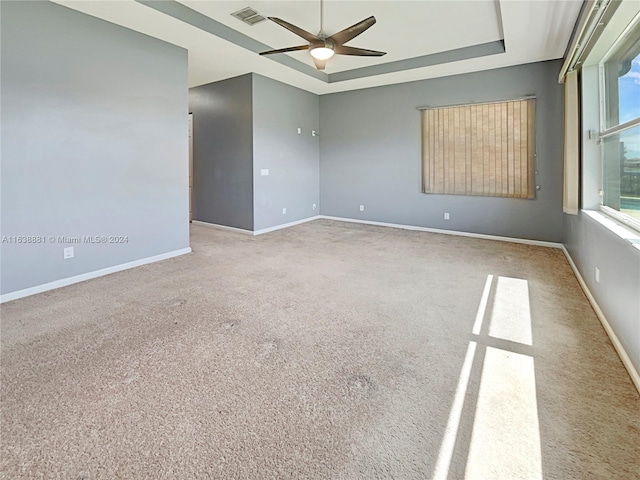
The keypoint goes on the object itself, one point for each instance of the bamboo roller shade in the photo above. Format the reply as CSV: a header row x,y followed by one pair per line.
x,y
484,149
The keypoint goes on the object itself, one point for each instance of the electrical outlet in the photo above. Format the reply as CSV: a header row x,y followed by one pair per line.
x,y
362,208
284,211
299,131
446,215
264,172
314,206
597,275
68,253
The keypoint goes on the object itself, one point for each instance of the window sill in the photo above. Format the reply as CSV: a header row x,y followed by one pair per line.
x,y
617,228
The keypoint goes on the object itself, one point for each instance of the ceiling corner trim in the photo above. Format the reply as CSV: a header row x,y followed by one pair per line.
x,y
196,19
465,53
207,24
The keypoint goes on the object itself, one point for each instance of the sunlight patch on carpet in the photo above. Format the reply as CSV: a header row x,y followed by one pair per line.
x,y
505,442
482,308
443,463
511,314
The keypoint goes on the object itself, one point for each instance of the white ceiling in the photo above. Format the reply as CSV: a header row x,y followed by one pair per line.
x,y
533,30
400,29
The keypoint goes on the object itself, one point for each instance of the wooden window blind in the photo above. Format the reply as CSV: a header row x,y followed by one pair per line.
x,y
480,149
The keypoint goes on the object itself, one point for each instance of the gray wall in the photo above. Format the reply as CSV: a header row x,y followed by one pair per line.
x,y
370,154
223,152
291,158
592,245
94,142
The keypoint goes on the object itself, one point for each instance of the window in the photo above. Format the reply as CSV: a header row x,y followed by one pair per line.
x,y
483,149
620,128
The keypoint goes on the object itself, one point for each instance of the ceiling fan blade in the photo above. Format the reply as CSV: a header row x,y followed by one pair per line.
x,y
353,31
359,52
283,50
319,63
309,37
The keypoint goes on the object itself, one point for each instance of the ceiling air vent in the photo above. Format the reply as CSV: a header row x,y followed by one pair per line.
x,y
249,16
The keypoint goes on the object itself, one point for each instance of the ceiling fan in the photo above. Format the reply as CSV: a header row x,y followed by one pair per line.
x,y
323,47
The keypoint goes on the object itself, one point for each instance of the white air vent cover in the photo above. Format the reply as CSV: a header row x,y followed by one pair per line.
x,y
249,16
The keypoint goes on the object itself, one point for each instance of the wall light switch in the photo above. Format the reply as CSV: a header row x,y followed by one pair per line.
x,y
299,130
284,211
264,172
446,215
362,208
68,252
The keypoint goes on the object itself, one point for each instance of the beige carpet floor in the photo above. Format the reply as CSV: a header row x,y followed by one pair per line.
x,y
326,350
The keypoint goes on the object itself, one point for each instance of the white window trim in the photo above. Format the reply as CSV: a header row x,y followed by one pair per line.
x,y
625,219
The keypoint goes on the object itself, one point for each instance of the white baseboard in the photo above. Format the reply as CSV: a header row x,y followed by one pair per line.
x,y
255,232
538,243
633,373
525,241
285,225
7,297
222,227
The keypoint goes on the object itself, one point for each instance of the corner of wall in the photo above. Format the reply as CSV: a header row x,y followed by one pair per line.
x,y
284,118
253,150
614,296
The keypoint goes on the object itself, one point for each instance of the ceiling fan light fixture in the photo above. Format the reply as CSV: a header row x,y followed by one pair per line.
x,y
322,47
322,53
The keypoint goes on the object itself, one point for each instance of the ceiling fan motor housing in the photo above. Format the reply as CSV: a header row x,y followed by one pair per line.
x,y
324,42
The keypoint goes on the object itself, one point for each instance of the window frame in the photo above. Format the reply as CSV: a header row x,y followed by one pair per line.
x,y
605,132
